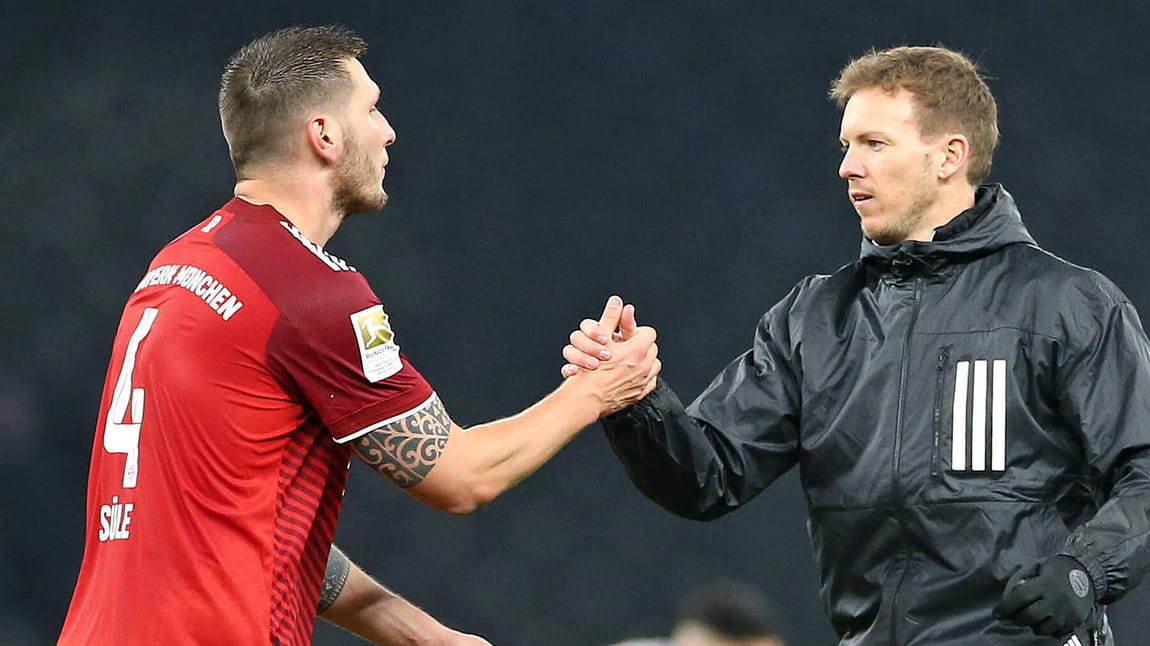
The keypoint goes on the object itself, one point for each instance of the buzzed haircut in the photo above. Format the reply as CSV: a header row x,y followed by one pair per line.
x,y
732,609
270,83
949,94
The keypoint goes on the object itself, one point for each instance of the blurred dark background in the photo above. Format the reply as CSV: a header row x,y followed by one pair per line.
x,y
549,154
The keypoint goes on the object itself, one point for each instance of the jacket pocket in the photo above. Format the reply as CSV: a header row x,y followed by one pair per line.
x,y
970,411
939,402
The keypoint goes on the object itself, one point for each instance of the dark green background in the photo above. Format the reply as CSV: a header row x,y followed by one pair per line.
x,y
549,153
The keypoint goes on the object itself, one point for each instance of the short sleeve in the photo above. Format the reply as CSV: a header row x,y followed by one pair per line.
x,y
339,351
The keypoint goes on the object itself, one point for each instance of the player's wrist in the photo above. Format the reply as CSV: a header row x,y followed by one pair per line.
x,y
576,400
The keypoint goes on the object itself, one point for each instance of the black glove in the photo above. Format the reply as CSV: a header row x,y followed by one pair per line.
x,y
1052,597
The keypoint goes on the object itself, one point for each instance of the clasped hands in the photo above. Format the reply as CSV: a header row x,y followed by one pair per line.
x,y
617,353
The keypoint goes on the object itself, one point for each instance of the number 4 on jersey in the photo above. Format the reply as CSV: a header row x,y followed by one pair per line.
x,y
121,435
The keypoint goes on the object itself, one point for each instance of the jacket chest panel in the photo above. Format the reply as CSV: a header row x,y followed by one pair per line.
x,y
906,395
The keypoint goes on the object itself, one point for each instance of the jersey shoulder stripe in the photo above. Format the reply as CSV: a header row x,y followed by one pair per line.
x,y
331,260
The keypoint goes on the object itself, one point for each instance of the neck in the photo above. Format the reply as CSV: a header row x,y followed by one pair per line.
x,y
304,200
948,206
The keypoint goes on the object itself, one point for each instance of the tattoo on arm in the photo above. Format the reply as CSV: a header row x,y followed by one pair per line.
x,y
406,450
334,577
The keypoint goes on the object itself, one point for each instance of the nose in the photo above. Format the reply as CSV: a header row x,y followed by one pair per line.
x,y
850,168
389,132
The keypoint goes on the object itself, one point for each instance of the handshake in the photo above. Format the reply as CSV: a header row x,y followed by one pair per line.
x,y
614,359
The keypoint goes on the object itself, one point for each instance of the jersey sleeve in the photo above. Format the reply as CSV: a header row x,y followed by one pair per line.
x,y
340,352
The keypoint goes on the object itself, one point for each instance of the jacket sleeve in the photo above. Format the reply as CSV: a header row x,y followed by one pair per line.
x,y
1107,396
735,439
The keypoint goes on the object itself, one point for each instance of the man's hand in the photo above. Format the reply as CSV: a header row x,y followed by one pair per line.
x,y
591,343
460,639
1052,597
623,368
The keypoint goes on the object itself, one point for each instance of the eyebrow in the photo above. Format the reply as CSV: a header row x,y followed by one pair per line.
x,y
872,134
868,134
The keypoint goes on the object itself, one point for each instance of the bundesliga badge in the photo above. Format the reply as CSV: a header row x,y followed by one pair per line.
x,y
377,350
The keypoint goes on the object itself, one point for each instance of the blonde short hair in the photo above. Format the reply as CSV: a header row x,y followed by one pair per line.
x,y
950,95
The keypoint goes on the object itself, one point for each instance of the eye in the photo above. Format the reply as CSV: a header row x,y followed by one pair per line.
x,y
875,144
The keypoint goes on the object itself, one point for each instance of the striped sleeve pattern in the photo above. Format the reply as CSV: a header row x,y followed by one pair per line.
x,y
311,483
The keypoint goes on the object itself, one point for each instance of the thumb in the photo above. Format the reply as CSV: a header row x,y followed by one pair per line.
x,y
609,321
1017,595
627,325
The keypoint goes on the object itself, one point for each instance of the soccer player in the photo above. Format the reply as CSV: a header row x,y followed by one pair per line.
x,y
248,367
969,413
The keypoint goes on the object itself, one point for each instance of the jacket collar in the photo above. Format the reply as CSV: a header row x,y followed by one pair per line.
x,y
992,223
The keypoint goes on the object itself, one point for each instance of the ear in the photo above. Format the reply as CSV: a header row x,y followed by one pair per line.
x,y
324,137
954,152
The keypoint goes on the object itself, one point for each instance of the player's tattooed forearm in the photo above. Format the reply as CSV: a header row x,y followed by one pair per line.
x,y
334,577
408,448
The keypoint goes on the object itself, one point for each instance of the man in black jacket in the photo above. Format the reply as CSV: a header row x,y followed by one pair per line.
x,y
969,413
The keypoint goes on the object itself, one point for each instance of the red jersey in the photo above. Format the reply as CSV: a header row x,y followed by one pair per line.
x,y
244,361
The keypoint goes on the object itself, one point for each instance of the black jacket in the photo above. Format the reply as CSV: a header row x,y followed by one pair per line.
x,y
958,410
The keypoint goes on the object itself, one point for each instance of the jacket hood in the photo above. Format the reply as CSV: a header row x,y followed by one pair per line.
x,y
992,223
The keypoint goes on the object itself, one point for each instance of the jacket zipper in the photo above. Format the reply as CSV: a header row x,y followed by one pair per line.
x,y
898,422
935,456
